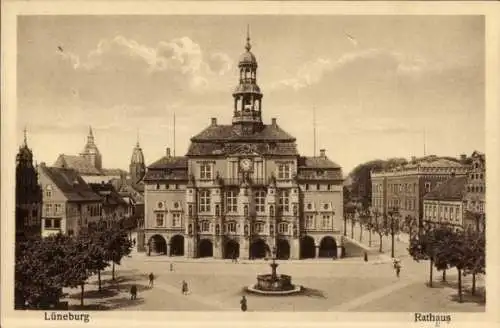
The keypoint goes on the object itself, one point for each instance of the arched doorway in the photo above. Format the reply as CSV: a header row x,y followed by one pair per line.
x,y
283,249
157,244
328,247
259,249
307,248
205,248
177,245
232,249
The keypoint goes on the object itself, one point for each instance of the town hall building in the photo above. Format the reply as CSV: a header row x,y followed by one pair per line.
x,y
243,190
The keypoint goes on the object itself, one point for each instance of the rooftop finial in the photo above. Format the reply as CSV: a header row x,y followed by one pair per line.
x,y
248,46
137,137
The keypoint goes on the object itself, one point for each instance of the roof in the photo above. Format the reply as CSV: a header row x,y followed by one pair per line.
x,y
157,174
70,183
117,172
227,133
80,164
451,189
171,162
318,162
108,193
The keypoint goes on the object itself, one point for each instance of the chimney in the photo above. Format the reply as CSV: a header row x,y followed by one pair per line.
x,y
168,151
273,121
463,157
322,153
413,159
214,121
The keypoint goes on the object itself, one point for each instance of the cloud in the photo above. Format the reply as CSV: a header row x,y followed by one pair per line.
x,y
365,61
182,59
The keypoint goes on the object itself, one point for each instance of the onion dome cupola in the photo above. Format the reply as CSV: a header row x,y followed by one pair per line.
x,y
247,116
137,164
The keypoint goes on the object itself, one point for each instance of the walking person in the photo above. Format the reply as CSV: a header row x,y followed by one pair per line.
x,y
171,267
184,288
133,292
243,303
397,267
151,280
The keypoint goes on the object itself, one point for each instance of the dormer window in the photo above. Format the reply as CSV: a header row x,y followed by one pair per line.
x,y
48,191
284,171
205,172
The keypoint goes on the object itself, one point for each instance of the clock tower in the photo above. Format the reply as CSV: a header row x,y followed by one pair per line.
x,y
247,115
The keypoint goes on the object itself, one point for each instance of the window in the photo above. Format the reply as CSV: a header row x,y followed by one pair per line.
x,y
245,210
48,209
205,201
217,210
295,210
232,201
48,191
309,221
159,205
57,208
159,219
325,223
205,226
259,227
176,220
326,206
271,210
205,171
176,205
283,228
427,187
48,223
284,171
307,186
260,200
318,187
190,210
309,206
57,224
284,201
231,227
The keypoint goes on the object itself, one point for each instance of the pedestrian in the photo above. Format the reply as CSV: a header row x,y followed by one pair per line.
x,y
184,287
133,242
243,303
133,292
171,267
366,257
151,280
397,267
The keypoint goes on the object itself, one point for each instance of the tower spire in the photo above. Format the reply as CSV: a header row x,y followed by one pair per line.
x,y
137,137
25,137
248,46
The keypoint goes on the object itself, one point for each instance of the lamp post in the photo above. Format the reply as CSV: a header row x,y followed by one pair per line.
x,y
392,213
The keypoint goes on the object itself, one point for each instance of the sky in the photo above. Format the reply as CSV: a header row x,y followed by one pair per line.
x,y
381,86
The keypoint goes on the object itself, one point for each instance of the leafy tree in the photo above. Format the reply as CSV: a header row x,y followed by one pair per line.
x,y
422,248
456,252
442,238
41,270
475,261
118,245
97,236
381,228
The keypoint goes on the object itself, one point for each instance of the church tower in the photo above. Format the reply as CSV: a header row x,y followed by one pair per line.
x,y
247,116
137,165
91,153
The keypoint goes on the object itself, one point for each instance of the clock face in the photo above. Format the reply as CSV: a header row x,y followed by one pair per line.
x,y
246,164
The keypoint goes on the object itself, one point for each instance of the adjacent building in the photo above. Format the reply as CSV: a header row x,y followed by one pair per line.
x,y
475,191
69,204
28,195
113,206
444,204
404,187
243,190
89,163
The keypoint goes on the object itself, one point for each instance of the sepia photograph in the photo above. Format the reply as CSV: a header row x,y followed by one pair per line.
x,y
249,163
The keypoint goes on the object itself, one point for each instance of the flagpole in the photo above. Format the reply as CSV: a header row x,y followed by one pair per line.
x,y
314,130
174,134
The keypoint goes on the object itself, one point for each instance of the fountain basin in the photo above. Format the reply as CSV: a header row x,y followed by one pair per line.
x,y
279,284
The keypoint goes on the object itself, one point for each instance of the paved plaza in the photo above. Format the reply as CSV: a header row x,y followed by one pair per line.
x,y
348,284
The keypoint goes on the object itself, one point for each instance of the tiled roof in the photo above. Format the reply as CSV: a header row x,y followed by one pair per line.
x,y
237,147
108,193
227,133
80,164
117,172
70,183
451,189
166,174
317,162
170,162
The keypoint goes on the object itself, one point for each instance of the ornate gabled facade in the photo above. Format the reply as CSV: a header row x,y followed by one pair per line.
x,y
243,189
475,192
28,195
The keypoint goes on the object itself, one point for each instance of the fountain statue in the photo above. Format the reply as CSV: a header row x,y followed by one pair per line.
x,y
274,283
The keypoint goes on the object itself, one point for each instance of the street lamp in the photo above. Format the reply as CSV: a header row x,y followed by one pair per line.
x,y
393,213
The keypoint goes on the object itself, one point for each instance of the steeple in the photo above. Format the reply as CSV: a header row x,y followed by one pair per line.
x,y
91,152
90,137
247,116
25,138
137,164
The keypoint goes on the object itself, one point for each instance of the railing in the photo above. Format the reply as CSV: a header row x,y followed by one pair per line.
x,y
239,181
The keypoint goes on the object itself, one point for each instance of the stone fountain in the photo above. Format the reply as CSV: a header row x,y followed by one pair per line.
x,y
274,283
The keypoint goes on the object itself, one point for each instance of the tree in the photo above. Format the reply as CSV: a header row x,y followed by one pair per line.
x,y
475,261
97,237
442,237
410,224
422,248
117,246
41,270
456,252
382,228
